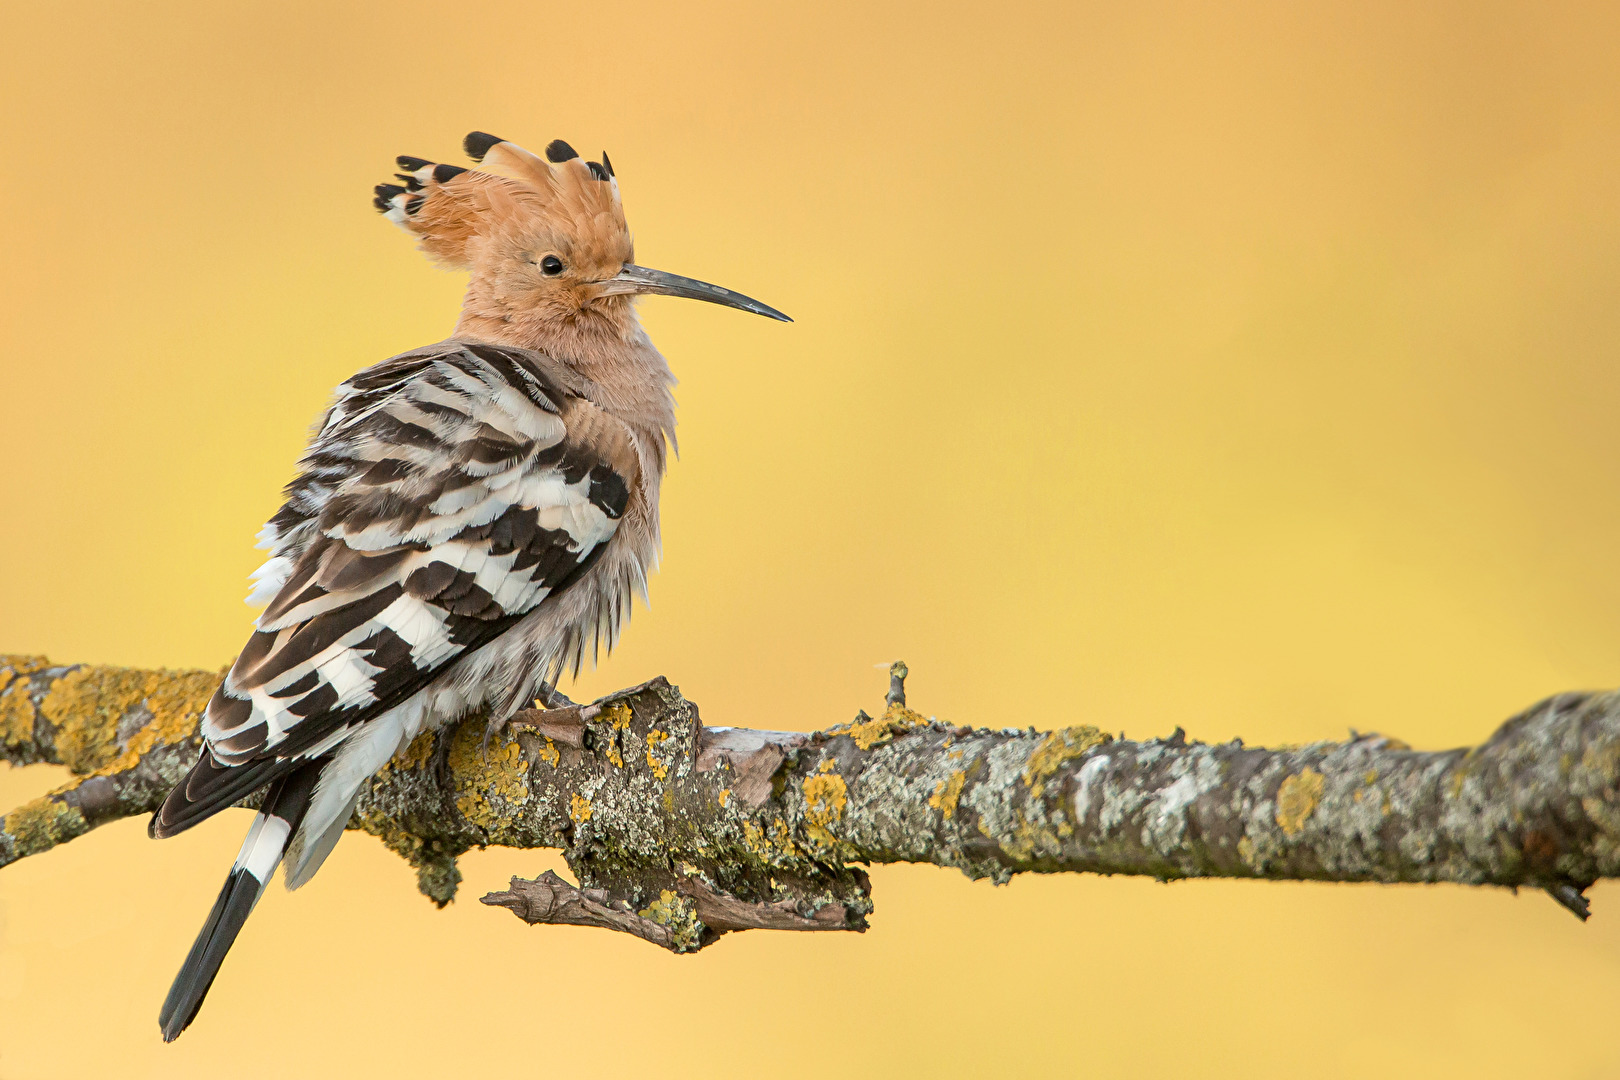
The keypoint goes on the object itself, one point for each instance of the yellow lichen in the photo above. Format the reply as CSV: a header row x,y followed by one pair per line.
x,y
85,706
660,909
618,717
579,808
18,664
1297,799
1028,838
16,715
483,779
782,839
416,754
724,796
679,915
775,847
1246,852
176,700
754,839
947,792
869,732
659,767
42,824
1371,777
824,797
1062,745
549,753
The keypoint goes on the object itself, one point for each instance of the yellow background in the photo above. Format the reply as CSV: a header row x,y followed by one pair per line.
x,y
1245,368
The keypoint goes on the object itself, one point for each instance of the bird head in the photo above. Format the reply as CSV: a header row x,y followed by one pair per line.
x,y
544,238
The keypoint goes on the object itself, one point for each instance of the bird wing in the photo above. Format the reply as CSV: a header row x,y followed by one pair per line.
x,y
446,494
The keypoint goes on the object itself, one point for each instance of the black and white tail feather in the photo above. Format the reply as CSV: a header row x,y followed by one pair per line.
x,y
282,812
434,548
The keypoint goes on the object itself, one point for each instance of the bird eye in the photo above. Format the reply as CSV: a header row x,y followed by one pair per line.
x,y
551,266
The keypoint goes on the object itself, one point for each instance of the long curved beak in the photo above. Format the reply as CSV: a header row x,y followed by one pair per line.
x,y
641,279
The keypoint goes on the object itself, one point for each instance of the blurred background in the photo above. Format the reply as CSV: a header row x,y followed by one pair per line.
x,y
1244,367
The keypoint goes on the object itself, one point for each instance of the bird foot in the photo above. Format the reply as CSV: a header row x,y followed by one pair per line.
x,y
496,726
442,773
552,698
555,715
564,724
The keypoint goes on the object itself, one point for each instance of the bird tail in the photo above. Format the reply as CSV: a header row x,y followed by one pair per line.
x,y
285,802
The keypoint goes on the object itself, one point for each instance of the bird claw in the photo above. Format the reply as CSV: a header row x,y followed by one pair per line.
x,y
565,724
552,698
443,775
554,714
496,725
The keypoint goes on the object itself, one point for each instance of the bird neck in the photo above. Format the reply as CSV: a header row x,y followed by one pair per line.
x,y
593,335
604,345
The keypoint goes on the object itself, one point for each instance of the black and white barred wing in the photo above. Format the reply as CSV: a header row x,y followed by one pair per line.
x,y
448,493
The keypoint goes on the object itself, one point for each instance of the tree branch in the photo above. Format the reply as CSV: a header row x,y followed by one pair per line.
x,y
679,833
127,735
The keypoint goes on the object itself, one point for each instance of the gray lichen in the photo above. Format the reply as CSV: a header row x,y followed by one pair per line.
x,y
679,833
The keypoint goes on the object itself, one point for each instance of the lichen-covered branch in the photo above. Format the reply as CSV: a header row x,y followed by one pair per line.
x,y
127,735
679,833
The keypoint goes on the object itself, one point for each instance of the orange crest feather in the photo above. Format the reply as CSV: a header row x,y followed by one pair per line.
x,y
512,195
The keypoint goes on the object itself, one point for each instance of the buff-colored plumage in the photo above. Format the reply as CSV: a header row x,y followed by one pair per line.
x,y
498,221
470,522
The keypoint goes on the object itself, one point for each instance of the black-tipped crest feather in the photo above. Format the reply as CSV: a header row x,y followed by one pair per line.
x,y
384,193
558,152
478,143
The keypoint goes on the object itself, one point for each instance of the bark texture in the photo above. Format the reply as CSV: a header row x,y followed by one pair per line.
x,y
679,833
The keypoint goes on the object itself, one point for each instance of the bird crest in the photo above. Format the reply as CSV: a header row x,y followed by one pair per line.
x,y
551,257
513,199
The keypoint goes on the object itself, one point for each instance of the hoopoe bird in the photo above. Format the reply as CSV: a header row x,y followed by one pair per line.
x,y
469,519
